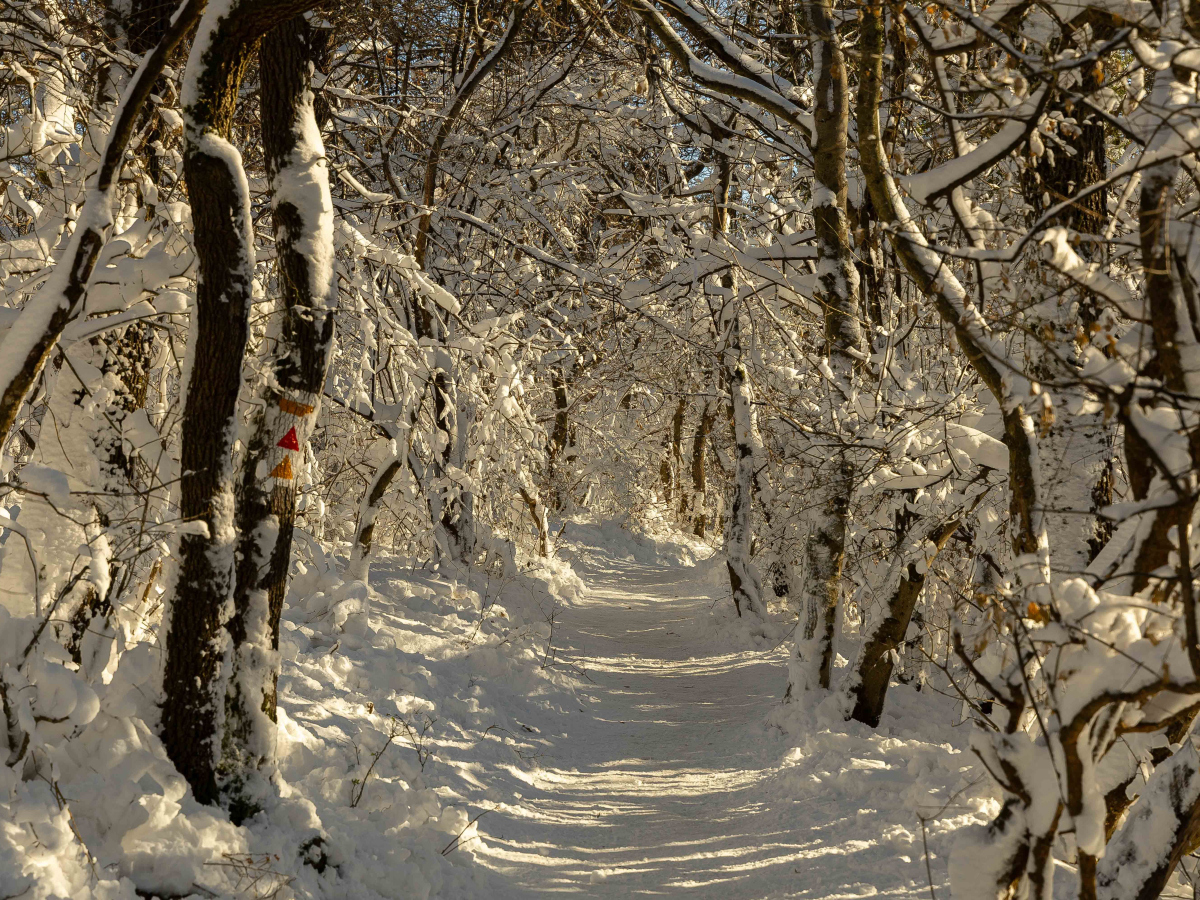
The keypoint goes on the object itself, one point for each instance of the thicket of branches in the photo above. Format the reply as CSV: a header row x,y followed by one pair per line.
x,y
897,305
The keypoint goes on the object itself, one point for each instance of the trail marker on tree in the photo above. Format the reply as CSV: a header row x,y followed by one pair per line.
x,y
295,408
289,441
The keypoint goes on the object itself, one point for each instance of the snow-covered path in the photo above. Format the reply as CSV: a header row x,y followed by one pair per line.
x,y
656,788
670,785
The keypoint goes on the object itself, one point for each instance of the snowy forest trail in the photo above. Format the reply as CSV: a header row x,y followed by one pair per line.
x,y
658,789
672,785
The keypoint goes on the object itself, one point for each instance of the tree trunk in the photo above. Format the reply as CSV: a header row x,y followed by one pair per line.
x,y
196,640
560,436
739,530
987,356
360,554
743,580
1077,449
537,511
837,292
695,506
672,464
880,645
288,400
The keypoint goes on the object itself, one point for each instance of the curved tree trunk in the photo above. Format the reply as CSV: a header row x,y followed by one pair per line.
x,y
368,512
869,684
196,665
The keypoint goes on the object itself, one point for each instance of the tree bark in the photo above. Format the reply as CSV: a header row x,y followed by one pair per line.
x,y
876,660
197,642
672,464
288,399
560,436
695,506
385,474
739,531
837,292
537,511
1078,448
744,582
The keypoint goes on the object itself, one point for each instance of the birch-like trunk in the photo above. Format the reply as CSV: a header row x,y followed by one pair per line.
x,y
368,512
837,292
739,530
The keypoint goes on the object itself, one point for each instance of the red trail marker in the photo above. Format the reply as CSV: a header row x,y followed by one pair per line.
x,y
289,441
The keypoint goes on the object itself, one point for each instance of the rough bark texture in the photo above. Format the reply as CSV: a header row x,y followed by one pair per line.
x,y
537,511
837,292
1066,174
876,659
825,550
289,399
197,642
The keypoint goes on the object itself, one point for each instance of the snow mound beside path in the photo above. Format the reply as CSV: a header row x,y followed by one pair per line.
x,y
388,694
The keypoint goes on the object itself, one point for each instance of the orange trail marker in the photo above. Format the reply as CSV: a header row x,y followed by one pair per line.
x,y
283,471
289,441
294,408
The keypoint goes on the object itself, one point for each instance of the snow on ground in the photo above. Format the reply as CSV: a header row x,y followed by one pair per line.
x,y
670,782
477,737
386,697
